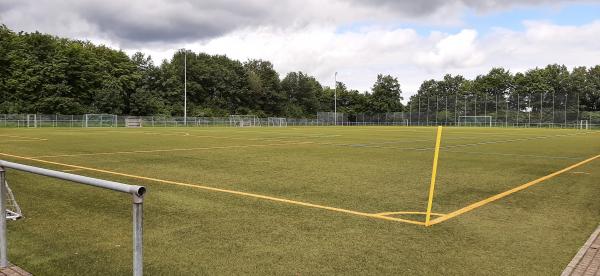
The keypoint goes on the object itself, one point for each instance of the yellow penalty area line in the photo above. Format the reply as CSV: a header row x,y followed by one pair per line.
x,y
436,154
265,197
506,193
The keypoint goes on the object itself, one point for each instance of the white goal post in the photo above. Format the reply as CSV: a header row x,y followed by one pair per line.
x,y
32,120
244,121
475,121
13,211
100,120
276,122
133,122
583,124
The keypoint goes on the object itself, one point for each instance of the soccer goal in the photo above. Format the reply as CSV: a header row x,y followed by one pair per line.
x,y
100,120
13,211
133,122
475,121
243,121
32,120
583,124
276,122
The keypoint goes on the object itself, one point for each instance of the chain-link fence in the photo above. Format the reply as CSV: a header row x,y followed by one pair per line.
x,y
531,110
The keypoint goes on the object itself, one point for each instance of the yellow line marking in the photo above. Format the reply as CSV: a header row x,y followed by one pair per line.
x,y
438,140
511,191
409,213
23,137
169,150
36,140
271,198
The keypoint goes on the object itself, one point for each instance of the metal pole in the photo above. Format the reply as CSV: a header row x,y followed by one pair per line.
x,y
427,112
506,111
455,108
3,240
475,105
485,105
553,120
566,98
419,110
185,87
335,98
577,105
437,109
496,108
410,113
518,109
138,230
529,111
541,108
446,121
465,111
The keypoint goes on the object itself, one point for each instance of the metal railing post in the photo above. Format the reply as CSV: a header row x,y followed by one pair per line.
x,y
3,239
136,191
138,231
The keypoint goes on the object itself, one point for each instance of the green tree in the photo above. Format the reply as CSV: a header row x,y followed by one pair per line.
x,y
302,93
386,95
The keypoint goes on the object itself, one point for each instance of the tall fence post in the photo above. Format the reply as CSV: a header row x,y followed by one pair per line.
x,y
3,239
138,231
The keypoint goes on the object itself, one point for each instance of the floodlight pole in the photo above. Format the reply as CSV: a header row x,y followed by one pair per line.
x,y
335,98
184,87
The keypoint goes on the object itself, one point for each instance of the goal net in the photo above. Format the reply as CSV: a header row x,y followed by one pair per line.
x,y
475,121
243,121
13,211
276,122
100,120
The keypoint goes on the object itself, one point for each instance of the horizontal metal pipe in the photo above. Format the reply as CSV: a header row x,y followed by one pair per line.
x,y
115,186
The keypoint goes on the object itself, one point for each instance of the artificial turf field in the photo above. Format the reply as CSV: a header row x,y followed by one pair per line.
x,y
351,173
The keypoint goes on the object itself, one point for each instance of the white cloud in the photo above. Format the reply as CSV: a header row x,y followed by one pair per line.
x,y
360,55
305,35
453,51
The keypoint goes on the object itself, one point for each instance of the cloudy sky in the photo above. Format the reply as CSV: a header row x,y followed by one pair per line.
x,y
412,40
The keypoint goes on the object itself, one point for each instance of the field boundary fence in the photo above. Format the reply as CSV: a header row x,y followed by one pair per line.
x,y
589,120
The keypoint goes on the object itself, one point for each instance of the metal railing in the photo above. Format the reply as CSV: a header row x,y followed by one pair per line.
x,y
137,193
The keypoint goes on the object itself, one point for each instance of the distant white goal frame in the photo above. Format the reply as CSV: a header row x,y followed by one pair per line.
x,y
244,121
583,124
100,120
133,122
487,120
276,122
32,120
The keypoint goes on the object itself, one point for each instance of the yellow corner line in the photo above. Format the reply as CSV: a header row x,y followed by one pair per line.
x,y
436,154
294,202
506,193
409,213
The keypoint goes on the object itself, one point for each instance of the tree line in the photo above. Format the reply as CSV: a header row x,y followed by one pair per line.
x,y
45,74
534,89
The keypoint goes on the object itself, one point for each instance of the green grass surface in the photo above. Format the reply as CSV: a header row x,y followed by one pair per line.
x,y
71,229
